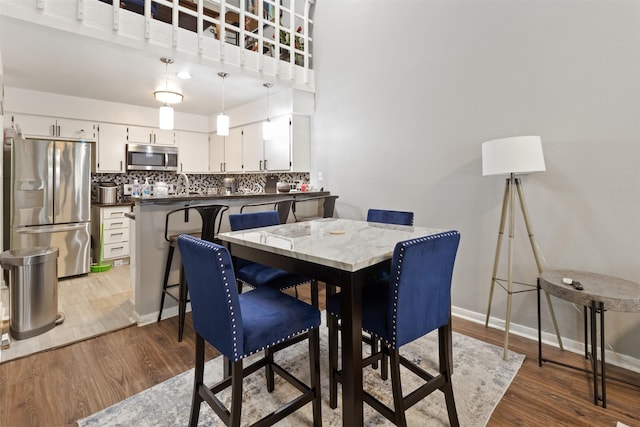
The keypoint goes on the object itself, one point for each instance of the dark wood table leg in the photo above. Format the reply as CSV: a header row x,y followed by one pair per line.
x,y
351,330
594,353
602,361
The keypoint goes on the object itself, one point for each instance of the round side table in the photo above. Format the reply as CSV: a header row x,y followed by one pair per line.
x,y
599,293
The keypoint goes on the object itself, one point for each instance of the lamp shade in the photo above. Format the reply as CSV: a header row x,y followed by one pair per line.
x,y
166,117
518,154
222,124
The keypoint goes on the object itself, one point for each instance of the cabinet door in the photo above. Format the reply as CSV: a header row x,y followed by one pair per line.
x,y
140,134
252,148
163,137
216,152
37,126
193,154
233,151
111,151
277,151
81,129
300,152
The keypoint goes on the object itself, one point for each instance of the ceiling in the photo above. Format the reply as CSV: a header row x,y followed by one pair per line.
x,y
44,59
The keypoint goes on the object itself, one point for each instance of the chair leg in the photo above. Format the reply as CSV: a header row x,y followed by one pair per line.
x,y
445,346
332,324
374,350
268,355
236,393
398,401
314,369
167,270
182,303
384,364
314,293
196,399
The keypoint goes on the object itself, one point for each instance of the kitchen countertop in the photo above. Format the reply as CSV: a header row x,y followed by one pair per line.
x,y
219,197
107,205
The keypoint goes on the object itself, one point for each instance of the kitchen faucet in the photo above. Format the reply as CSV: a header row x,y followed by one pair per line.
x,y
184,189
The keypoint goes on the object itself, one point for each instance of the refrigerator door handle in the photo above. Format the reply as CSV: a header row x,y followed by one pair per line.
x,y
49,229
56,178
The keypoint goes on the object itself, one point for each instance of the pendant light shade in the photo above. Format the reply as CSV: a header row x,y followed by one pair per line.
x,y
222,123
166,117
267,127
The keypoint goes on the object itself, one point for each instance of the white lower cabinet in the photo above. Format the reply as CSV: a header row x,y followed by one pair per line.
x,y
116,232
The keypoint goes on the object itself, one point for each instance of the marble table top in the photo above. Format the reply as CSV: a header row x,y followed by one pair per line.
x,y
616,294
334,242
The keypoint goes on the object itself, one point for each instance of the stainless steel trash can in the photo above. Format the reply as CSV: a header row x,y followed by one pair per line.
x,y
33,290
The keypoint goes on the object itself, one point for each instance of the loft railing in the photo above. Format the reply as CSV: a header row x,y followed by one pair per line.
x,y
268,36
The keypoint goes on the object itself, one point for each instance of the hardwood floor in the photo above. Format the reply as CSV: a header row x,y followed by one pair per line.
x,y
60,386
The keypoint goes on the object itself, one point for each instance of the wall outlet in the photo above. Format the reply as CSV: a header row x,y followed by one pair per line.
x,y
320,176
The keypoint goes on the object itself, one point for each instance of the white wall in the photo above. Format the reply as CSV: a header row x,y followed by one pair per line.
x,y
406,92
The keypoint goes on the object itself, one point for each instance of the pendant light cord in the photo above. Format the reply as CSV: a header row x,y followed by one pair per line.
x,y
223,75
268,86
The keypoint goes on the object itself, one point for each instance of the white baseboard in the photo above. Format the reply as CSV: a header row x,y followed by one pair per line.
x,y
613,358
166,313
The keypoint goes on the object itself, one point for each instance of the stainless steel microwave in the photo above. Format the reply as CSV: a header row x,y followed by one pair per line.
x,y
151,157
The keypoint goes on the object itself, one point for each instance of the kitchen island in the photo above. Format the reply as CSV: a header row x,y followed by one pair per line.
x,y
149,248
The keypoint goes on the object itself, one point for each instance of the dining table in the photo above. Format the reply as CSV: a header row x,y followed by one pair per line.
x,y
341,252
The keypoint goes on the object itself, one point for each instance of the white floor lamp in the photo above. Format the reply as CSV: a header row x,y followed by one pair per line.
x,y
511,156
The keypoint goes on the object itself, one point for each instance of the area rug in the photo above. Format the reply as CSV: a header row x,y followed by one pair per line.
x,y
480,379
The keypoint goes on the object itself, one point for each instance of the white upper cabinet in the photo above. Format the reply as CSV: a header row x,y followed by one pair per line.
x,y
277,151
193,152
300,152
43,126
146,135
81,129
216,152
233,151
252,148
111,148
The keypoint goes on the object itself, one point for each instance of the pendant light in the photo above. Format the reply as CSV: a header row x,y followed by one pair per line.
x,y
166,117
167,97
222,123
267,127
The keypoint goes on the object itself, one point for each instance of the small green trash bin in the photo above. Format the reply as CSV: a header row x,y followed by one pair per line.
x,y
33,290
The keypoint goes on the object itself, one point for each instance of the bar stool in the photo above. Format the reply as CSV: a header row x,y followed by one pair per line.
x,y
325,210
384,217
413,301
239,325
208,231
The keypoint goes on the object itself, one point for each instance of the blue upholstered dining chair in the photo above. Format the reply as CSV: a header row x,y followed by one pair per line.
x,y
238,325
413,301
386,217
390,217
258,275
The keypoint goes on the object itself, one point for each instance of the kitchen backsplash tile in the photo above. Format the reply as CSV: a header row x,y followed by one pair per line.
x,y
247,183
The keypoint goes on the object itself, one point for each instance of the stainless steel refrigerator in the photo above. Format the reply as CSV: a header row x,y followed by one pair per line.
x,y
51,199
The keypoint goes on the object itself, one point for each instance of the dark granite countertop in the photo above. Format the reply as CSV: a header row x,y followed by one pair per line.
x,y
110,205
